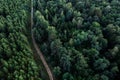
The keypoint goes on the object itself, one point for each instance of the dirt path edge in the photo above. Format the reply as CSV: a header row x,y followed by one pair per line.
x,y
37,48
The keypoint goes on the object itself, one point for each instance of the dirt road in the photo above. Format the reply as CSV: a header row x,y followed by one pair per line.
x,y
37,48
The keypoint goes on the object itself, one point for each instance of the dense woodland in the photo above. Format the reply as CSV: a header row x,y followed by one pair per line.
x,y
16,57
79,38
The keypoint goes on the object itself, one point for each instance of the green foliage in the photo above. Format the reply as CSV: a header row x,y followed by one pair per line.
x,y
65,62
101,64
52,33
41,22
67,76
96,24
57,71
103,77
16,57
81,37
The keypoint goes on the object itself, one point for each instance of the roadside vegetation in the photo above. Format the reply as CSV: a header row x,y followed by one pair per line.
x,y
16,57
80,38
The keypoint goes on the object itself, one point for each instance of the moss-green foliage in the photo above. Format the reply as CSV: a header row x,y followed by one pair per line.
x,y
16,57
80,37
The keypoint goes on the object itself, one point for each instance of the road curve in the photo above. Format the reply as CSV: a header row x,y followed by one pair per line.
x,y
37,48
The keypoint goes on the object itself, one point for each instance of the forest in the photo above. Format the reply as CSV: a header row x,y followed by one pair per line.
x,y
16,60
79,39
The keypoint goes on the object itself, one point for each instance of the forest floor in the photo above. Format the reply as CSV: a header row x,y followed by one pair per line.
x,y
37,48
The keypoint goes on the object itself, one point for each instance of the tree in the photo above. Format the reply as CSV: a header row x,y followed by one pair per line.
x,y
95,24
2,24
101,64
55,46
67,76
111,32
80,64
103,77
52,33
98,12
57,71
40,20
79,38
82,37
65,62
